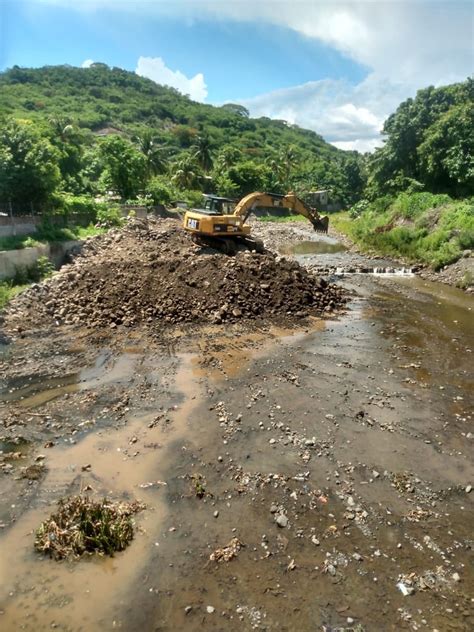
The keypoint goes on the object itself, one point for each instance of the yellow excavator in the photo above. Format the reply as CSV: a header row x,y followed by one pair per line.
x,y
221,223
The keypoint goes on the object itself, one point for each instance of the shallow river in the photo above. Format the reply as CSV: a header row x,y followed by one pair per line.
x,y
358,429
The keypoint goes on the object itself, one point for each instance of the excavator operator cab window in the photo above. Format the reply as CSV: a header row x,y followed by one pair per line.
x,y
214,206
227,208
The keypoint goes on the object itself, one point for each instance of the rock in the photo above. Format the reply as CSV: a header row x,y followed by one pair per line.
x,y
273,509
282,521
456,577
315,540
216,514
468,489
188,609
357,556
210,609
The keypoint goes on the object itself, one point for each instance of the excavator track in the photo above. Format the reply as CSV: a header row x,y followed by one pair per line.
x,y
230,245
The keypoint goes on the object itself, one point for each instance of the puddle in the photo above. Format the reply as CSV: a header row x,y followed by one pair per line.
x,y
106,370
319,247
84,595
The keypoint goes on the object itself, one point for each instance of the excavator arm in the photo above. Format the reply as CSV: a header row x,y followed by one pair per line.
x,y
255,200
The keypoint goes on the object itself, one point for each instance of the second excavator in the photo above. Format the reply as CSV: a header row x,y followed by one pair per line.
x,y
221,223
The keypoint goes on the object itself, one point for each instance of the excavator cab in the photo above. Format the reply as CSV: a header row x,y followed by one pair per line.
x,y
215,205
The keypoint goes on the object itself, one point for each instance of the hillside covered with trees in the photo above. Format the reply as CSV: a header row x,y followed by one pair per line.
x,y
84,131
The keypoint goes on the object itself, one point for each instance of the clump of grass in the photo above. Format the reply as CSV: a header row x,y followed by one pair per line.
x,y
420,227
82,525
8,291
199,485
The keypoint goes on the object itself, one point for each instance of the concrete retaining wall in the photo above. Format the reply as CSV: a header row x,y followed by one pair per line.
x,y
25,225
12,260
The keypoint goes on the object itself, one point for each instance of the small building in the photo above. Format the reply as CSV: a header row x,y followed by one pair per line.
x,y
321,201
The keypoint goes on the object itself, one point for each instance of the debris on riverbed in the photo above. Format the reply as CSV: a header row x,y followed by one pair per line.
x,y
149,272
228,552
82,525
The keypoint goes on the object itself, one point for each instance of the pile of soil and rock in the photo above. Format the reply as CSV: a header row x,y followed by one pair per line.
x,y
148,272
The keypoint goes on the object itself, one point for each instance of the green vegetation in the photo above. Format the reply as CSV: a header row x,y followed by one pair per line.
x,y
24,276
88,131
410,208
8,291
429,145
72,136
50,233
424,227
81,525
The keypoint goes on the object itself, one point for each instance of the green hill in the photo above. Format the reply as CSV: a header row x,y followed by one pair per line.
x,y
99,97
247,153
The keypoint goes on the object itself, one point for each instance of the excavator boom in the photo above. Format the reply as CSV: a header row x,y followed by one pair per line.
x,y
291,201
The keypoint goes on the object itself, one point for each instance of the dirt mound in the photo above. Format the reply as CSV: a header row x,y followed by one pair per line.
x,y
153,272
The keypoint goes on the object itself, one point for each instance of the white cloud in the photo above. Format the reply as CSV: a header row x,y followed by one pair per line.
x,y
404,44
156,69
348,116
87,63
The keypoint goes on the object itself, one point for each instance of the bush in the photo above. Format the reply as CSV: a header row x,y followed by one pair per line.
x,y
69,204
81,525
161,191
413,205
194,199
109,216
359,208
439,230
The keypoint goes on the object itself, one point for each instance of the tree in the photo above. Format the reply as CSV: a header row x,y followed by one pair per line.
x,y
428,143
156,162
202,152
287,161
29,171
248,176
186,173
447,152
125,167
227,157
69,141
235,108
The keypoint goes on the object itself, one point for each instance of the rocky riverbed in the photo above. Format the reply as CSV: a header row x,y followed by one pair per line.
x,y
305,475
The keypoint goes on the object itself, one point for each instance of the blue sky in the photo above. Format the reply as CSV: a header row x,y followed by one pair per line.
x,y
337,67
238,60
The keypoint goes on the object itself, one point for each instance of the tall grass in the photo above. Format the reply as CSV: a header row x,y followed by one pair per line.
x,y
420,227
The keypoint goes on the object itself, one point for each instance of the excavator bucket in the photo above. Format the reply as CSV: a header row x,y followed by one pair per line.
x,y
321,224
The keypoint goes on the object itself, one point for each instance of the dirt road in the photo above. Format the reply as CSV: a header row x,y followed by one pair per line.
x,y
335,460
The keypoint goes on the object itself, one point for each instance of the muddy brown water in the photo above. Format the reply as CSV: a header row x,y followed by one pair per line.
x,y
355,428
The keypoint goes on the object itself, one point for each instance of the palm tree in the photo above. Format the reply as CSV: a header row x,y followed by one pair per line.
x,y
155,160
186,173
228,156
62,126
202,149
287,161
